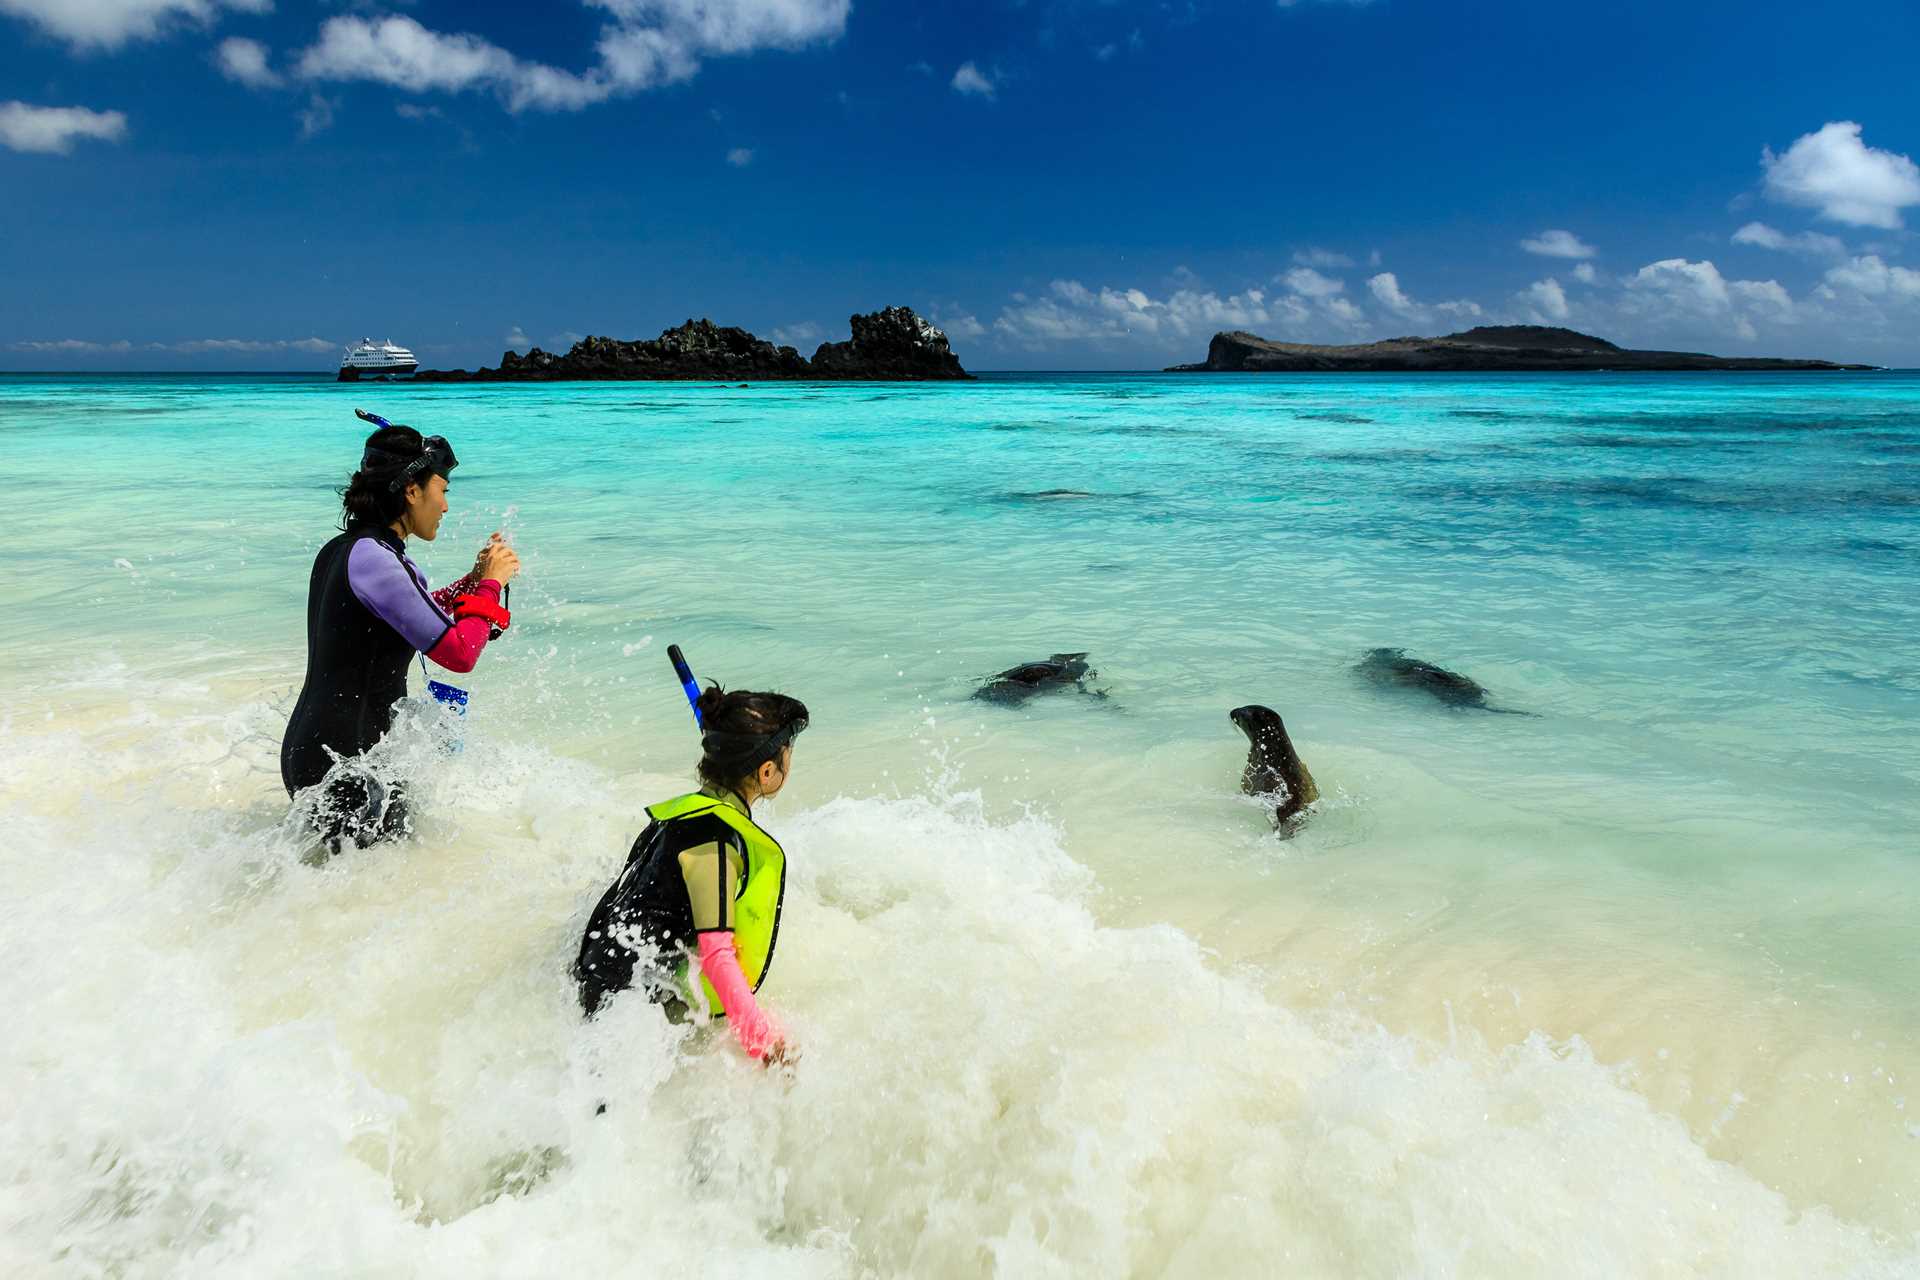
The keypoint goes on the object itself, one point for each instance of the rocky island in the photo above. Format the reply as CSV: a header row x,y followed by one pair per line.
x,y
892,345
1487,349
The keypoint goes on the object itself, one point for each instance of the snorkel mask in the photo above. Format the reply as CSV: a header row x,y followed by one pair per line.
x,y
434,459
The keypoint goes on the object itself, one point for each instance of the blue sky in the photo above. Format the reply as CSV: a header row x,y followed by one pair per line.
x,y
245,184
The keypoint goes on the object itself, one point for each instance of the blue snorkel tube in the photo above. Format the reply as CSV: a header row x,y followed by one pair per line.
x,y
687,682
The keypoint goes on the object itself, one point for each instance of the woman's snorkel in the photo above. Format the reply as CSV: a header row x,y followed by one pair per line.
x,y
687,682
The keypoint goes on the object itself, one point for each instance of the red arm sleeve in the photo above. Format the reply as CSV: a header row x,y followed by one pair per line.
x,y
460,648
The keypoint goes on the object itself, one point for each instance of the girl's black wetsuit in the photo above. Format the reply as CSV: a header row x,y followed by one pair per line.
x,y
368,613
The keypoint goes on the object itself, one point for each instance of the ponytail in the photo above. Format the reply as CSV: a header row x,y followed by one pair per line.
x,y
743,730
370,497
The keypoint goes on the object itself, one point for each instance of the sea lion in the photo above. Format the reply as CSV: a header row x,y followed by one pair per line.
x,y
1393,668
1274,767
1017,684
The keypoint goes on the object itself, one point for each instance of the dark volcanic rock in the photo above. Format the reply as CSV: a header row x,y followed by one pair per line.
x,y
892,345
1488,349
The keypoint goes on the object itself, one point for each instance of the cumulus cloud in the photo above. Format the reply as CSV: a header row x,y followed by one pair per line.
x,y
648,43
517,339
798,335
54,130
1546,300
1558,244
1325,259
740,157
1872,277
317,116
1692,286
1386,289
963,324
108,24
1675,290
192,346
1585,273
1309,283
1837,173
414,111
246,62
969,80
1811,243
1069,311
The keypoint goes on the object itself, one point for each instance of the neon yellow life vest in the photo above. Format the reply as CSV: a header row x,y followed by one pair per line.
x,y
756,907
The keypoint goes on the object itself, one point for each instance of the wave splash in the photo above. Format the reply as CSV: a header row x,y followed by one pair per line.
x,y
229,1062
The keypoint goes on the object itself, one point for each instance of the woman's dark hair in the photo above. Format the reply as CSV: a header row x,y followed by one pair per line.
x,y
370,497
742,730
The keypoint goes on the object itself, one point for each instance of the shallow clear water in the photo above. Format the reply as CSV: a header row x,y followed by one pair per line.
x,y
1623,986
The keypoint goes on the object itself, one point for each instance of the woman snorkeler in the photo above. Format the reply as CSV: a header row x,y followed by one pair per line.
x,y
369,611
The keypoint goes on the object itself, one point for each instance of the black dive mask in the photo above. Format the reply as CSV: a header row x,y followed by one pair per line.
x,y
434,458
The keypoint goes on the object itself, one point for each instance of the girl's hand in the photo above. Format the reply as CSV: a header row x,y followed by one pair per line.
x,y
497,561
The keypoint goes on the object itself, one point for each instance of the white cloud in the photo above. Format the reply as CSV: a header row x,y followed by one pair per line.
x,y
1675,291
969,80
246,61
740,157
1070,311
1871,276
1585,273
1311,284
1343,310
797,335
1386,289
108,24
1689,286
517,339
248,346
648,43
414,111
193,346
53,130
1558,244
1845,179
317,116
1812,243
1547,300
961,325
66,346
1325,259
1769,296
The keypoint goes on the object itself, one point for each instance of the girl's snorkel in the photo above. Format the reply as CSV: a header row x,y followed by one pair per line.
x,y
687,682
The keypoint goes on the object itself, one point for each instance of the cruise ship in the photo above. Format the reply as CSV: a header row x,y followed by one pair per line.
x,y
369,359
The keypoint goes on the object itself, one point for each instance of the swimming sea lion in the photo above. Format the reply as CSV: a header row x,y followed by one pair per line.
x,y
1274,767
1017,684
1392,667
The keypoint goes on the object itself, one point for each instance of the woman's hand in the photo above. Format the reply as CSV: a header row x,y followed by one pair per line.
x,y
498,561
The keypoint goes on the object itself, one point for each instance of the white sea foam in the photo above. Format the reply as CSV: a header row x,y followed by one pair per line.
x,y
225,1062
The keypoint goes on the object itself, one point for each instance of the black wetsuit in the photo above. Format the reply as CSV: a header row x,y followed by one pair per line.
x,y
356,671
648,904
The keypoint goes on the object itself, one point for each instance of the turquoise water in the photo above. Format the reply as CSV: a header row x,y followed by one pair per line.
x,y
1623,986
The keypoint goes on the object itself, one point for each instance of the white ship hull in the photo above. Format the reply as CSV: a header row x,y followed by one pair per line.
x,y
370,359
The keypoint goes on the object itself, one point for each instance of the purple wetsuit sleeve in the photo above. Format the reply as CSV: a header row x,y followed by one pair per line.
x,y
388,585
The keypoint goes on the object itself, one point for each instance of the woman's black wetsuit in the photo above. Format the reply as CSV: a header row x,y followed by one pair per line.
x,y
368,613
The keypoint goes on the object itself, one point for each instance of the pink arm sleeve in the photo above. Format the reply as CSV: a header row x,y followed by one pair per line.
x,y
756,1030
459,649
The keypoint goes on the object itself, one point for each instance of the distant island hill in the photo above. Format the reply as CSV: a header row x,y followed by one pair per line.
x,y
891,345
1515,348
